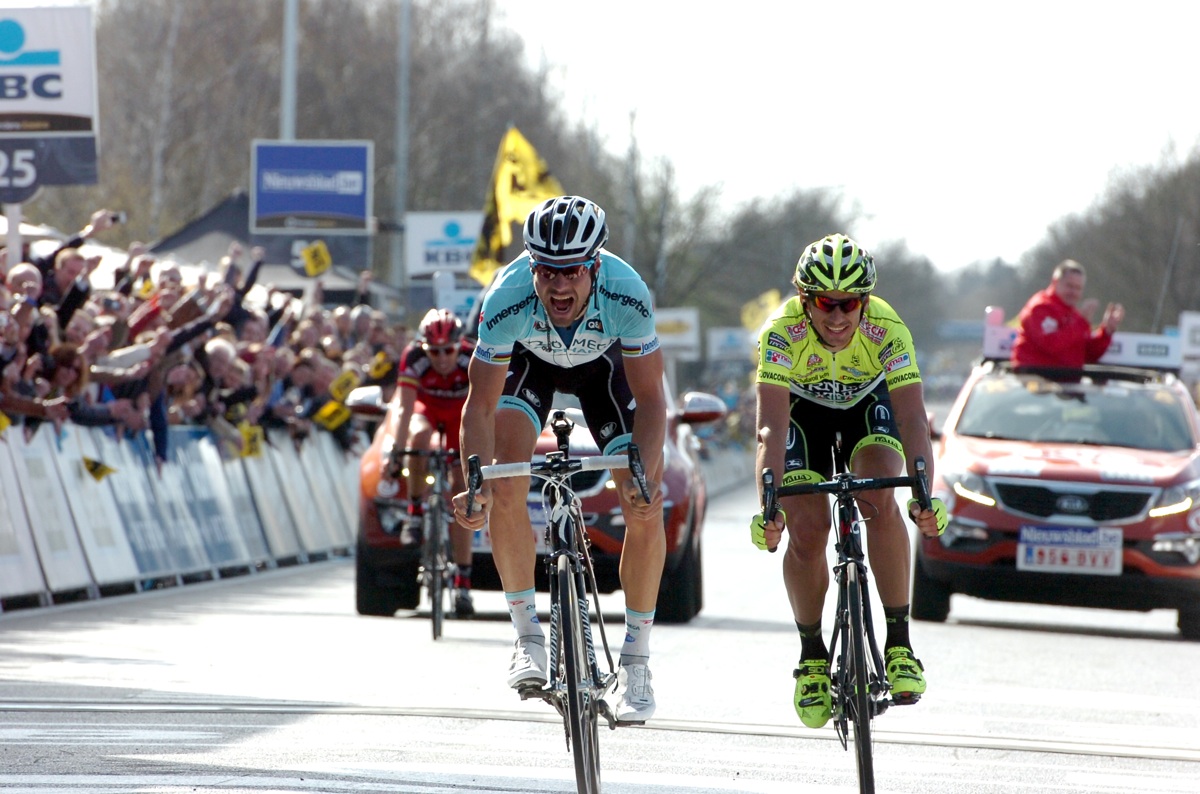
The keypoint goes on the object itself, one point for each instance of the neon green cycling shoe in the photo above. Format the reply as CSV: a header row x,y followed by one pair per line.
x,y
904,674
812,700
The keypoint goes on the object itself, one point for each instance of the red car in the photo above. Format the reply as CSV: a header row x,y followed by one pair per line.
x,y
386,572
1078,489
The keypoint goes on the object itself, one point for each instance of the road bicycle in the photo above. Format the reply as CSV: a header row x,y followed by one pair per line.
x,y
859,686
576,683
437,570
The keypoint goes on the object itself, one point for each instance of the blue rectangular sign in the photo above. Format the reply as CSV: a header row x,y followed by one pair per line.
x,y
312,186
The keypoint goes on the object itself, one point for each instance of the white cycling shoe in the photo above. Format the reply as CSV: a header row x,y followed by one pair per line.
x,y
634,694
527,669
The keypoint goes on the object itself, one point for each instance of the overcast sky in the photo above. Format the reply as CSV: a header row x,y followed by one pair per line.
x,y
964,128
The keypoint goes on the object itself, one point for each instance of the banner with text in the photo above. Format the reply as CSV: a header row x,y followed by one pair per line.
x,y
312,186
48,105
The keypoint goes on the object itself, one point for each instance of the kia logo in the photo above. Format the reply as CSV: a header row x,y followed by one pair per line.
x,y
1071,503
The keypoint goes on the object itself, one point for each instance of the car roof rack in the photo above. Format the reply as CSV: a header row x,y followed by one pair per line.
x,y
1097,373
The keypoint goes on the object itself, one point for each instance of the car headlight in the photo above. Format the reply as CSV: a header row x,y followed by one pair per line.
x,y
392,517
1186,544
962,530
1177,499
970,486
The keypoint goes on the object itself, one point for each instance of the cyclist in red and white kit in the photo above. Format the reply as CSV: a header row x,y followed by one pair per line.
x,y
433,388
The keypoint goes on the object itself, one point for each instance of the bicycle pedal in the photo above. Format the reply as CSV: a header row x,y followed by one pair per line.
x,y
905,699
531,691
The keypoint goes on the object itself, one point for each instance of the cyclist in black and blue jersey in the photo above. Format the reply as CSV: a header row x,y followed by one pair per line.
x,y
569,316
836,358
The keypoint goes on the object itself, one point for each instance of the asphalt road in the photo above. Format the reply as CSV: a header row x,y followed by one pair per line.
x,y
271,683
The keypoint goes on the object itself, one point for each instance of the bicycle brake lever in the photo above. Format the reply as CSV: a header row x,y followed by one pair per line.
x,y
639,473
474,481
769,505
921,485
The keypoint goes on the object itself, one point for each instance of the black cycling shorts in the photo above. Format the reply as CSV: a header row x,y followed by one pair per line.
x,y
599,384
812,427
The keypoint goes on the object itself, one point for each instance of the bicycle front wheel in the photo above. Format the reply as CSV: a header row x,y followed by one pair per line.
x,y
438,561
857,686
581,710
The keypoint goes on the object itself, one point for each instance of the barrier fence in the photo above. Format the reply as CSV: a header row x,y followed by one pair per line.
x,y
85,513
71,529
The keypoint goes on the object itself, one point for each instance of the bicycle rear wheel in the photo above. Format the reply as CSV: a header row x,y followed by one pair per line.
x,y
437,562
857,683
581,711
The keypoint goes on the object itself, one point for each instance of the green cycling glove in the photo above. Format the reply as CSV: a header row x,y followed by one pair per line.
x,y
758,529
939,510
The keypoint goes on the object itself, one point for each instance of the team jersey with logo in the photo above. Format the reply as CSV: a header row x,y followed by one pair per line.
x,y
791,355
618,309
417,372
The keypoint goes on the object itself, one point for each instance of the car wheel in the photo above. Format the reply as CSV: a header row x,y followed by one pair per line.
x,y
379,600
1189,623
930,598
681,596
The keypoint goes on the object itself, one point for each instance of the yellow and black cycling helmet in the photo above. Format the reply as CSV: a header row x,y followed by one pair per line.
x,y
835,264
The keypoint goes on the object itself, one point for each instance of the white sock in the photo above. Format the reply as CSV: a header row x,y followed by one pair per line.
x,y
523,610
636,649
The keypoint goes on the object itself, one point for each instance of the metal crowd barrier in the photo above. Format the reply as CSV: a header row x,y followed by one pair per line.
x,y
86,514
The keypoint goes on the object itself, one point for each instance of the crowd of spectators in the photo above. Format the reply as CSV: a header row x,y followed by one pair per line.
x,y
151,350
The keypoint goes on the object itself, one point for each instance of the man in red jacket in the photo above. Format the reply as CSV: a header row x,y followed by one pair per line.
x,y
1053,332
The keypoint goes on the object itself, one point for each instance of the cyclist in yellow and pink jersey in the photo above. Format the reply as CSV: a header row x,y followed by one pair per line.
x,y
836,359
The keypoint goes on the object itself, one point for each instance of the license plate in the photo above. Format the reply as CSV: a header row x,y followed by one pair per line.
x,y
1095,550
537,517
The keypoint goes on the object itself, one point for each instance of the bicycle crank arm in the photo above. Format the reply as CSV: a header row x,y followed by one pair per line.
x,y
607,713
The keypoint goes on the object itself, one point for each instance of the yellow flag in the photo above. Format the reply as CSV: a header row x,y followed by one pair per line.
x,y
520,181
5,422
380,365
343,384
756,311
332,415
253,439
316,258
97,469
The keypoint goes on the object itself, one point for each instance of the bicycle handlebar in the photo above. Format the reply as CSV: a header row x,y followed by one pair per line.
x,y
847,483
448,454
498,470
552,465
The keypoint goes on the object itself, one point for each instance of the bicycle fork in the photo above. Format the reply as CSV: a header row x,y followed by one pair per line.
x,y
852,573
597,682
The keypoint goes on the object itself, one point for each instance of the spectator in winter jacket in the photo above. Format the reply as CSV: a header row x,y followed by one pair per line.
x,y
1055,327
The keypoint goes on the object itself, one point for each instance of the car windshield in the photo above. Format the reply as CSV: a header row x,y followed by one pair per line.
x,y
1030,408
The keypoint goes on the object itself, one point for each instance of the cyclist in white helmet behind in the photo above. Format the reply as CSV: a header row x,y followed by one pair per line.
x,y
569,316
835,358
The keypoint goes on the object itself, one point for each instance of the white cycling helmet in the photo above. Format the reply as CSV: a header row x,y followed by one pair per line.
x,y
565,230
